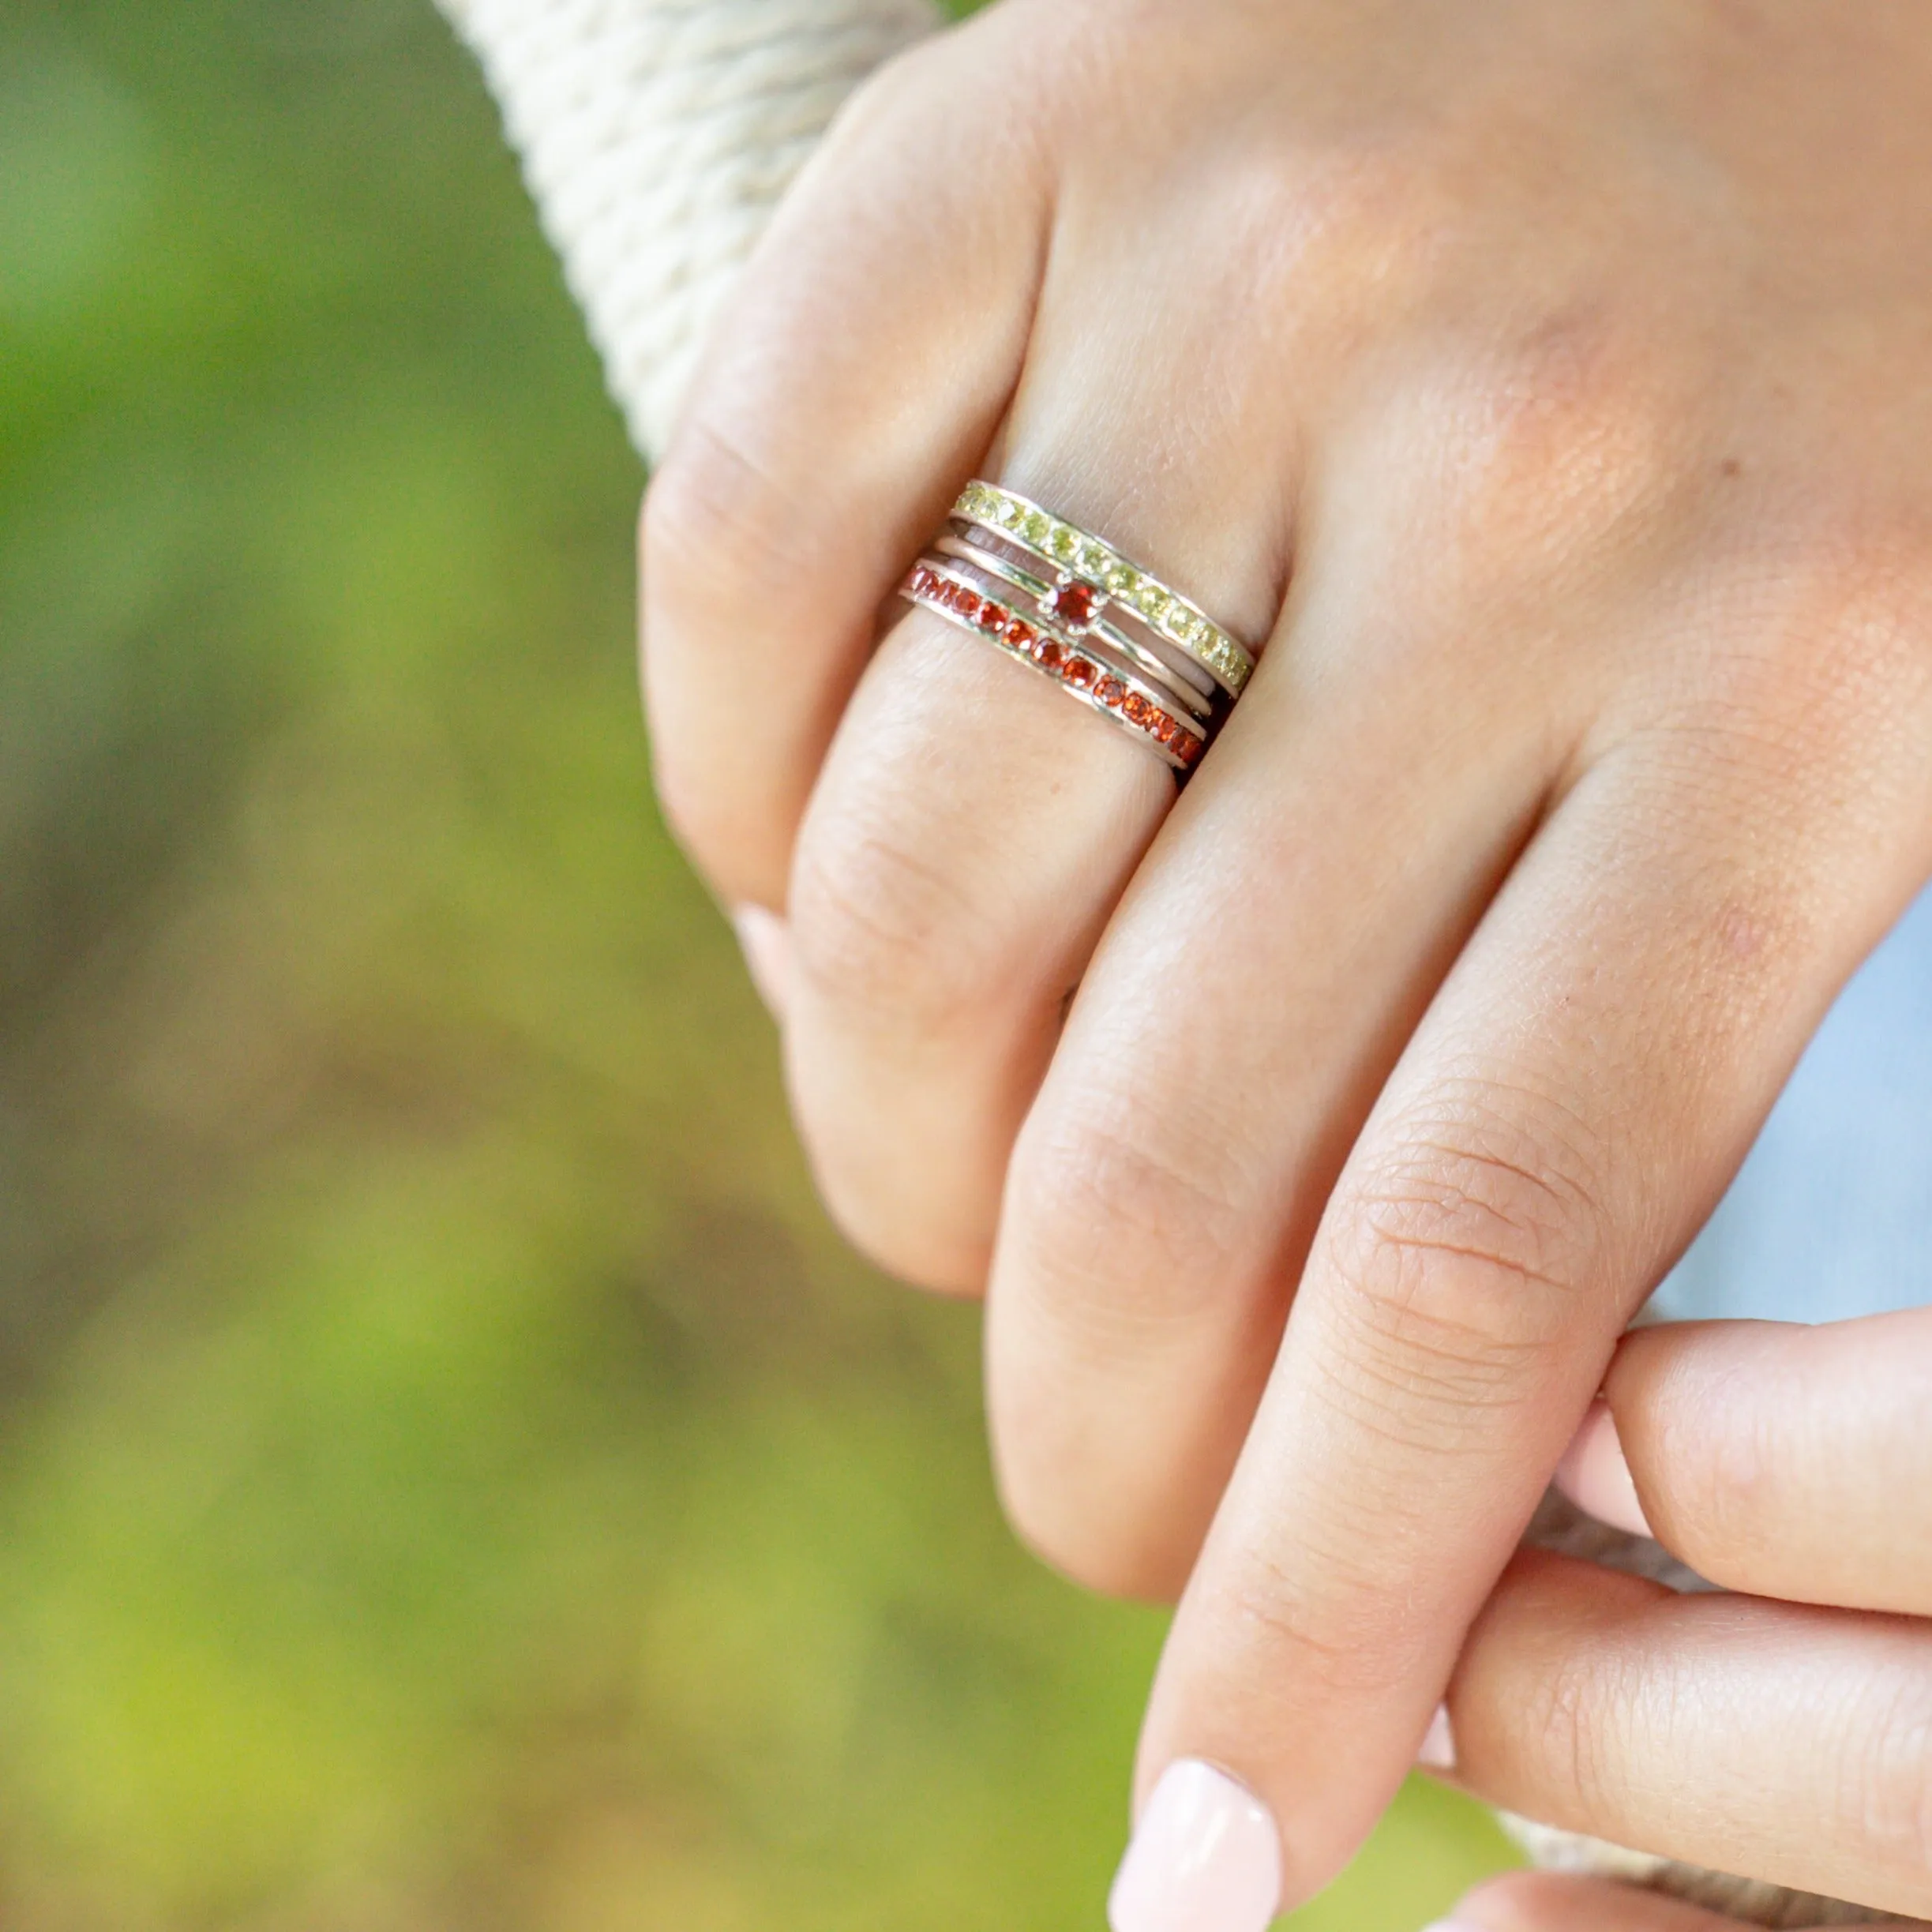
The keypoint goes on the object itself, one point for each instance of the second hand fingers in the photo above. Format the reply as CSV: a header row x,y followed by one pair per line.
x,y
1732,1733
1787,1461
1548,1901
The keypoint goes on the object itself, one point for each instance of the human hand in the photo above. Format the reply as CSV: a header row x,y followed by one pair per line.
x,y
1547,385
1545,1902
1786,1731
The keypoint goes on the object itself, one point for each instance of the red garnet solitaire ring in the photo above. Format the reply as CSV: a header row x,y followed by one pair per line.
x,y
1107,632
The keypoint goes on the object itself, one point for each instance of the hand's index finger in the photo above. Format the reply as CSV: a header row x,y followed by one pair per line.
x,y
1573,1103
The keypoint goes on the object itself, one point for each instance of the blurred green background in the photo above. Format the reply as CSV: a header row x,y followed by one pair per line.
x,y
450,1474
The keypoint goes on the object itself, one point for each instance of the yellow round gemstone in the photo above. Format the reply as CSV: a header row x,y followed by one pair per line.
x,y
1119,579
1065,543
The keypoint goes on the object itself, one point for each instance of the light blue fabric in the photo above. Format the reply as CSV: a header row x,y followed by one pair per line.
x,y
1831,1216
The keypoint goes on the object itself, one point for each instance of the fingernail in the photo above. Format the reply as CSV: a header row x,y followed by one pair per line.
x,y
1205,1857
766,941
1438,1743
1594,1474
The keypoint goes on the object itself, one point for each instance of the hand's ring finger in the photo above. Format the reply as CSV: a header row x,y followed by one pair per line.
x,y
967,841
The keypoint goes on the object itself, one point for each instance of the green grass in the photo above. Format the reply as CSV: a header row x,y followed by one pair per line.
x,y
449,1473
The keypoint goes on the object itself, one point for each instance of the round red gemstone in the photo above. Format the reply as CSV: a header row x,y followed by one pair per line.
x,y
1073,604
1050,654
1021,635
993,616
1082,672
1110,691
1161,726
1136,708
1186,748
966,603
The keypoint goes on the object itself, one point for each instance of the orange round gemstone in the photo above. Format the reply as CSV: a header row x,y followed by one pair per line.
x,y
966,603
1136,708
1082,672
993,616
1110,691
1021,635
1050,654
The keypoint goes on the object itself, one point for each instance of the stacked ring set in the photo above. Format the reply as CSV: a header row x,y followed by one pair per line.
x,y
1110,634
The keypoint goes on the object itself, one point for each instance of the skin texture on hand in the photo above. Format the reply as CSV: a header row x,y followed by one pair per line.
x,y
1790,1739
1547,387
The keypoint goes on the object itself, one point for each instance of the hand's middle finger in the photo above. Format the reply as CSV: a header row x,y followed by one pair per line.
x,y
1288,928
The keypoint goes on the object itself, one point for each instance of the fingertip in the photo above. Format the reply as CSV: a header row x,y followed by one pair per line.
x,y
1438,1749
1595,1475
1205,1857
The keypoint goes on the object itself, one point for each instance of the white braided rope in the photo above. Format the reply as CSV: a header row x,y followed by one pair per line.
x,y
656,135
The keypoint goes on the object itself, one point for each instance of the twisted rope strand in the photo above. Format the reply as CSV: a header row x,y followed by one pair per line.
x,y
656,136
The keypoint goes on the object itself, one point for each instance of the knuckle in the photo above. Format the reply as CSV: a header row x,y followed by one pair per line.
x,y
1464,1252
720,529
925,1249
1363,1635
1886,1791
1123,1222
1573,438
1575,1720
886,932
738,837
1103,1549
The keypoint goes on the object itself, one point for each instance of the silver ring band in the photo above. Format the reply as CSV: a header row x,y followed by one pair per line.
x,y
1081,667
1149,662
1109,576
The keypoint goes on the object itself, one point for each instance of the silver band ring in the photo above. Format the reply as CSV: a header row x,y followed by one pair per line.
x,y
1108,577
1083,668
1181,689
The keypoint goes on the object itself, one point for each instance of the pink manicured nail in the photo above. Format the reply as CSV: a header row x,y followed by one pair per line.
x,y
1205,1857
1595,1476
1438,1743
766,941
